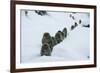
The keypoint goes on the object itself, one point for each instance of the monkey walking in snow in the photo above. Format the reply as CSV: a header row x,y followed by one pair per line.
x,y
65,32
47,39
41,12
87,26
26,13
45,50
80,21
54,41
74,26
59,37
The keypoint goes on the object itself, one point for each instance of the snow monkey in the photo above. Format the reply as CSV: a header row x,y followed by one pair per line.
x,y
86,26
71,16
41,12
80,21
63,37
65,32
45,50
59,37
76,24
26,12
73,26
47,39
54,42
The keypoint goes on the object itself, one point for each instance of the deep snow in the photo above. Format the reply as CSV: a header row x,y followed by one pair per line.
x,y
74,47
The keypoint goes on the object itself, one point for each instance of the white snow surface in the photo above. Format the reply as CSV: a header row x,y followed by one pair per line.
x,y
74,47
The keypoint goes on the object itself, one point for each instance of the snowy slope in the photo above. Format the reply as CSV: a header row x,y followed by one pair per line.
x,y
74,47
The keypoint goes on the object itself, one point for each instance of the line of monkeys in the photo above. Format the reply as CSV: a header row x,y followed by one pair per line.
x,y
48,42
39,12
42,13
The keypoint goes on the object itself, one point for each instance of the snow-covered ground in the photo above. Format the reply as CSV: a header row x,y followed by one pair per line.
x,y
74,47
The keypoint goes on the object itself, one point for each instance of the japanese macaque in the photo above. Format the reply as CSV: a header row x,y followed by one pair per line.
x,y
54,42
58,36
76,24
45,50
41,12
80,21
47,39
65,32
63,37
72,27
71,16
86,26
26,13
